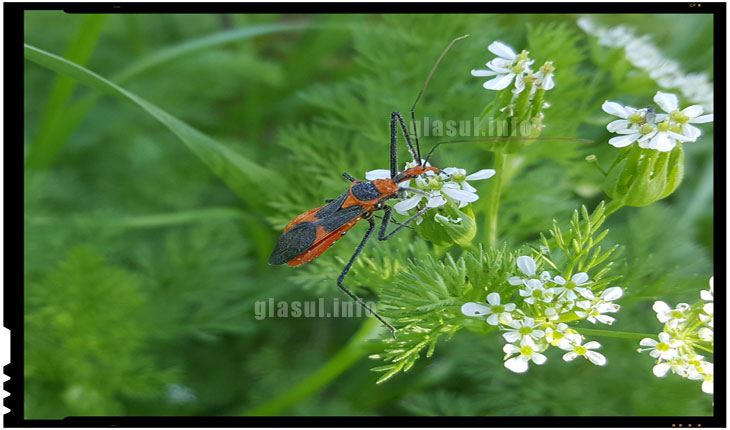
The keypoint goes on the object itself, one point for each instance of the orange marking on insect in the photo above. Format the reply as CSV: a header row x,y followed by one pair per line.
x,y
322,242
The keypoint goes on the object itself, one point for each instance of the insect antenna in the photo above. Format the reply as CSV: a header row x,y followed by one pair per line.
x,y
504,139
423,89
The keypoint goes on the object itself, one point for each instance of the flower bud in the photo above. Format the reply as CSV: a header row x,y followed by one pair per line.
x,y
448,225
639,177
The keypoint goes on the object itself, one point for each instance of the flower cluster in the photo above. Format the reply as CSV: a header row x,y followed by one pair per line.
x,y
449,191
537,319
659,131
447,186
512,70
645,55
686,328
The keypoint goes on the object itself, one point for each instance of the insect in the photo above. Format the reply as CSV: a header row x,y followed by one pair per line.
x,y
308,235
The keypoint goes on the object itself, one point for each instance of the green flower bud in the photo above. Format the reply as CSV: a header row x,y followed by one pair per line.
x,y
639,177
448,225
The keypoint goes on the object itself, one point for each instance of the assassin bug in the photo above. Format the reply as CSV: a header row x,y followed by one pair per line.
x,y
308,235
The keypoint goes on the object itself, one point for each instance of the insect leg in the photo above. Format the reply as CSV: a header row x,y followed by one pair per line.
x,y
393,145
411,148
394,222
347,269
386,218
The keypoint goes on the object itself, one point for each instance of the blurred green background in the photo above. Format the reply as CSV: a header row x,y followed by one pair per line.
x,y
142,267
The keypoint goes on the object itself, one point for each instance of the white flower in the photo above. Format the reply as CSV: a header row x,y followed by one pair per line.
x,y
560,336
460,177
706,334
593,313
585,351
496,311
443,188
708,314
685,117
707,370
508,66
672,317
569,288
544,77
645,55
709,295
524,331
678,365
534,290
519,364
527,266
664,349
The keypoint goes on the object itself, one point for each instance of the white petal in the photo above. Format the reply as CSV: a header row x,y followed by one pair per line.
x,y
504,51
526,265
436,201
515,280
482,72
666,101
548,83
693,111
377,174
510,349
404,206
453,170
538,358
596,358
580,278
605,319
702,119
472,309
509,307
500,82
708,387
460,195
511,336
616,109
482,174
500,65
538,333
661,369
519,84
493,298
647,341
691,132
661,307
468,187
559,280
611,294
534,283
592,345
516,364
569,356
621,141
662,143
618,124
493,319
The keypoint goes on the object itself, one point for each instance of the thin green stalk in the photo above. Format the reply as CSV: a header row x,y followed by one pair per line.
x,y
356,349
613,206
494,195
611,333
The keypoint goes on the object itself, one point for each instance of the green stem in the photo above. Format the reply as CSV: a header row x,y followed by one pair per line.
x,y
493,204
356,349
613,206
611,333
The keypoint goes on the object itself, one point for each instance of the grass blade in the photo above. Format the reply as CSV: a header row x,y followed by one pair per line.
x,y
45,146
246,178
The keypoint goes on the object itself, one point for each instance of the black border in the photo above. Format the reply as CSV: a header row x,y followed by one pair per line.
x,y
13,19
